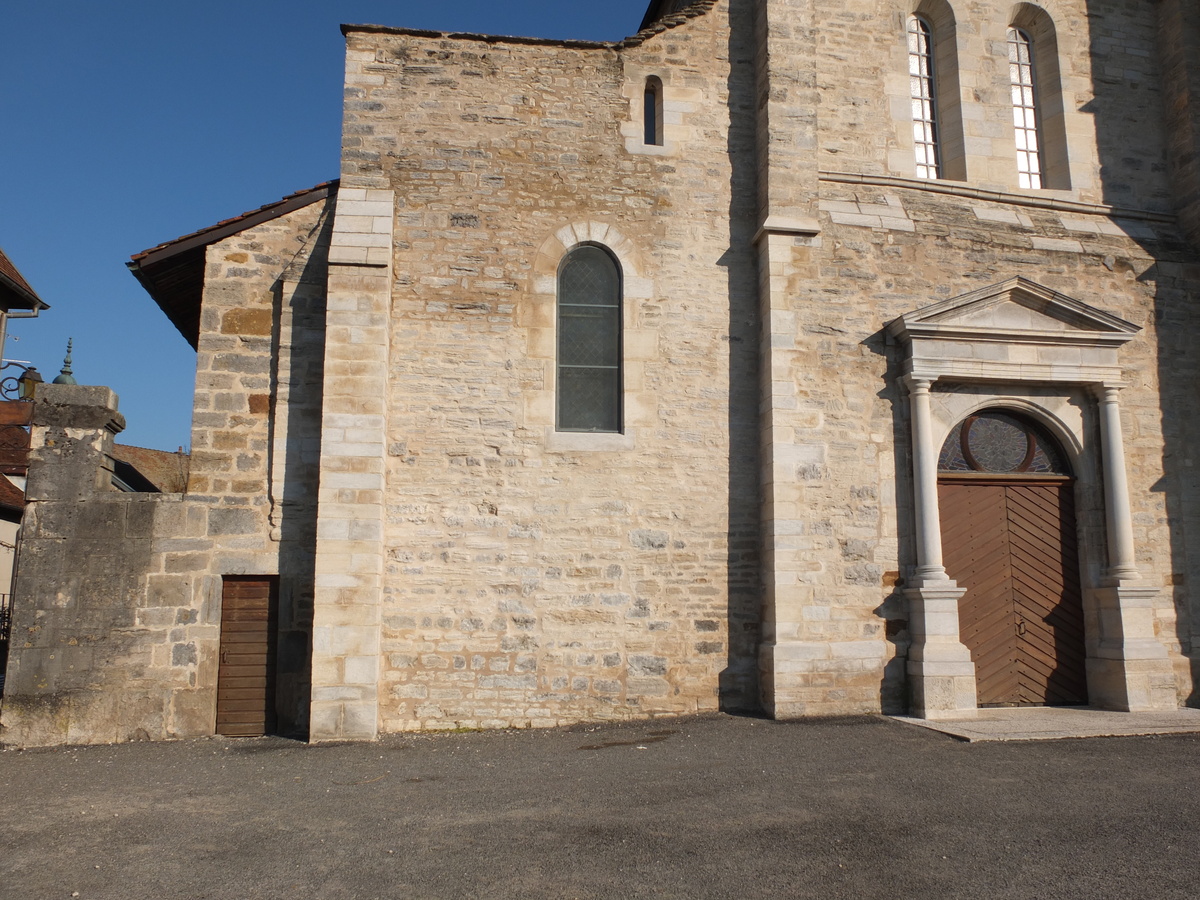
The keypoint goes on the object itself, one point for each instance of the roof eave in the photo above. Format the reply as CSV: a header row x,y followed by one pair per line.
x,y
228,227
183,310
348,29
21,297
652,13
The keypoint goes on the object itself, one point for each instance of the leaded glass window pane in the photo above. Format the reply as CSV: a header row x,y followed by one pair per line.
x,y
1025,115
921,88
1001,443
951,458
589,342
997,442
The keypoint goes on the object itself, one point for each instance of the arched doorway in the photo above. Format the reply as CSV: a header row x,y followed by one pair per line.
x,y
1006,498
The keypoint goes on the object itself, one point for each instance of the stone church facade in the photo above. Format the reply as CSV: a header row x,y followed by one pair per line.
x,y
813,358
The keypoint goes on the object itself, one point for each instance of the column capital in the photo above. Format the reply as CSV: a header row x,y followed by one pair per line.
x,y
1107,391
917,384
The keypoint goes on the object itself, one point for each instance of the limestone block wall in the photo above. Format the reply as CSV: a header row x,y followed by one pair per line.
x,y
256,426
1126,102
1109,117
1179,48
349,570
883,252
530,580
118,596
106,644
787,106
838,516
1179,364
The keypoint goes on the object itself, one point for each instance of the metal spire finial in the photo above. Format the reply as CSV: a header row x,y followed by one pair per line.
x,y
64,375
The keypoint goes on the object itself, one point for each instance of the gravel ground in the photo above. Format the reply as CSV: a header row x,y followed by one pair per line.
x,y
691,808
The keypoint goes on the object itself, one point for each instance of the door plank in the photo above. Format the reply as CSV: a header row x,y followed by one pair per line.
x,y
1052,659
975,542
246,672
1012,545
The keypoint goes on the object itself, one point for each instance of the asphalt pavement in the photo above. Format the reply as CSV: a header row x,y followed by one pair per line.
x,y
695,808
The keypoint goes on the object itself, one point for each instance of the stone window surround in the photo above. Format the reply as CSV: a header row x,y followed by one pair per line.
x,y
992,162
922,72
1127,665
938,16
611,362
675,103
652,111
638,345
1037,24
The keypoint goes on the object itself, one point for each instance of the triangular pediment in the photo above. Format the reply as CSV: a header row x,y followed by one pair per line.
x,y
1015,310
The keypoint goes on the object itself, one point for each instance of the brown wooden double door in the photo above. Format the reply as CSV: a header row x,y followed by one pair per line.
x,y
1012,544
249,639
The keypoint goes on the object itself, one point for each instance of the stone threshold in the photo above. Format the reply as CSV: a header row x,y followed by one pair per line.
x,y
1053,723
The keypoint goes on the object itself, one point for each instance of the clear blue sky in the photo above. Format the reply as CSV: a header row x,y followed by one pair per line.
x,y
128,124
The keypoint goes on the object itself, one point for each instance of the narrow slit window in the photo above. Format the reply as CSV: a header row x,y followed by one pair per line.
x,y
922,84
653,111
589,342
1025,109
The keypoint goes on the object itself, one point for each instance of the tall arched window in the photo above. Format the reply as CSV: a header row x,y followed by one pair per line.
x,y
589,341
923,86
1026,118
1041,107
653,111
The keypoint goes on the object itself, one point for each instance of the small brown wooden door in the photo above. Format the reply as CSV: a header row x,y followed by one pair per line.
x,y
1012,544
249,635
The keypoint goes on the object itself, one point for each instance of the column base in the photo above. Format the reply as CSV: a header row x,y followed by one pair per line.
x,y
1130,671
940,670
943,690
1132,685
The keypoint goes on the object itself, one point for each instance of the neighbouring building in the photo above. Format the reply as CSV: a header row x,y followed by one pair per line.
x,y
816,358
17,301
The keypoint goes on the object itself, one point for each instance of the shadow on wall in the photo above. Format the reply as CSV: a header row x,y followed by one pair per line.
x,y
894,689
1124,109
739,689
296,509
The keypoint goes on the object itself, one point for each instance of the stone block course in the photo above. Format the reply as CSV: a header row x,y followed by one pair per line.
x,y
375,413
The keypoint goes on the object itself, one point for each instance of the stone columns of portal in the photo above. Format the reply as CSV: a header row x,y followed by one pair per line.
x,y
1118,514
925,461
939,664
1130,669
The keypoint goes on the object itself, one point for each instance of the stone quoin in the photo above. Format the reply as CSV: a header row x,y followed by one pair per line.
x,y
623,380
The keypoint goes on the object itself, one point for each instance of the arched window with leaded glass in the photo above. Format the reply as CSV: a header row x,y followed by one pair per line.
x,y
1026,117
1001,442
589,382
934,93
923,92
1039,105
